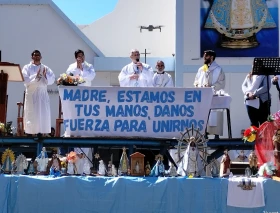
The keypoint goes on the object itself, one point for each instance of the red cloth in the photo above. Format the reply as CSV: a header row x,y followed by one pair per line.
x,y
264,144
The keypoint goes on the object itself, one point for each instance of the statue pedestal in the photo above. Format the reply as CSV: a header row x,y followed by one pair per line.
x,y
242,43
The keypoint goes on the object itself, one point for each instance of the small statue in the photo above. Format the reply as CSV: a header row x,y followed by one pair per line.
x,y
70,167
114,171
147,169
191,165
30,168
42,161
55,161
54,171
172,171
137,167
110,168
158,169
214,168
86,167
7,158
124,163
21,164
253,163
128,172
225,165
101,168
14,168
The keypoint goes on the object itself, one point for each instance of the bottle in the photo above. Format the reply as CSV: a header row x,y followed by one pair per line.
x,y
247,172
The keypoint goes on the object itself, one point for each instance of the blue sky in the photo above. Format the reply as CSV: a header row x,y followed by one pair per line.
x,y
86,11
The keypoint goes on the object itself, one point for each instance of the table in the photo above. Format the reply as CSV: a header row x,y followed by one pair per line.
x,y
35,194
223,102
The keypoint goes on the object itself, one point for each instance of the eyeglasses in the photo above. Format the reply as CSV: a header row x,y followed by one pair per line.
x,y
160,65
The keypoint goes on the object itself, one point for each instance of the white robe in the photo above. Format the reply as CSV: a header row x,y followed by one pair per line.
x,y
191,163
88,72
145,76
215,78
162,80
37,115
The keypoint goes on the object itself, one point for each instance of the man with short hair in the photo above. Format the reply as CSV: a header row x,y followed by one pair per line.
x,y
136,74
81,68
162,78
37,76
211,75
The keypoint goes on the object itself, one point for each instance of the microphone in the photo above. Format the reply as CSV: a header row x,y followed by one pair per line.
x,y
137,72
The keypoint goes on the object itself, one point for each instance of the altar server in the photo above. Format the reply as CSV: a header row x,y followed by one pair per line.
x,y
81,68
37,115
162,78
136,74
211,75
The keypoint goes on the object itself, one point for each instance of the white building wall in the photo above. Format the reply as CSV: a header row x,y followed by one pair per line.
x,y
118,32
28,27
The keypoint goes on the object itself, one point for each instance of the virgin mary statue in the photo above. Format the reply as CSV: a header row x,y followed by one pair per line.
x,y
238,21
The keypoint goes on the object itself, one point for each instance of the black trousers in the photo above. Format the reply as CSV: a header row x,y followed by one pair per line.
x,y
258,116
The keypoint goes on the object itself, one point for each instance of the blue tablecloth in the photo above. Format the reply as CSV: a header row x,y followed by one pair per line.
x,y
39,194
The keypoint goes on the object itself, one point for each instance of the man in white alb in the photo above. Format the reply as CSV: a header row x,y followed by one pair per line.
x,y
81,68
136,74
37,115
211,75
162,78
87,72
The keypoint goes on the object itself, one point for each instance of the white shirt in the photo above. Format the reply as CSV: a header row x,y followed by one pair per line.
x,y
88,72
145,76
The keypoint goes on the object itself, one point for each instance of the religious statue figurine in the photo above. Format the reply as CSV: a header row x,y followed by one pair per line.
x,y
191,164
54,171
70,167
172,171
8,158
14,168
101,168
42,161
137,167
55,161
276,143
30,168
214,168
253,163
21,164
86,167
225,165
80,163
124,163
158,169
114,171
147,169
110,168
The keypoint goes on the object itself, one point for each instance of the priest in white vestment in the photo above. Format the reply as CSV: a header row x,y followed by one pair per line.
x,y
162,78
81,68
191,163
211,75
87,72
136,74
37,115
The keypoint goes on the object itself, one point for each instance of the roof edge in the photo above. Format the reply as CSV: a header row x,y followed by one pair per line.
x,y
75,28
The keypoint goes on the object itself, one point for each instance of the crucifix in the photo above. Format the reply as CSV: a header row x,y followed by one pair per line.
x,y
145,53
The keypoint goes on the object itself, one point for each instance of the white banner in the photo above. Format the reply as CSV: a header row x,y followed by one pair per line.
x,y
130,112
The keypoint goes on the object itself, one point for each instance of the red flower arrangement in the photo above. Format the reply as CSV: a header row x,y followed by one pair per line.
x,y
250,134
